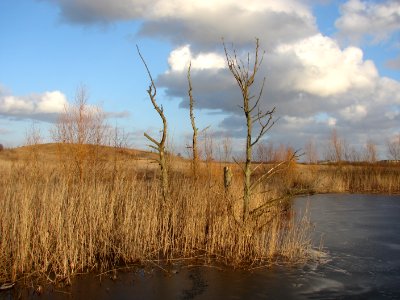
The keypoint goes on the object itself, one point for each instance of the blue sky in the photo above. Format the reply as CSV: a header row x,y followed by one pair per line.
x,y
329,65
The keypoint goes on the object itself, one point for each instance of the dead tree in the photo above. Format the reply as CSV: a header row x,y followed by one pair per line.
x,y
195,162
244,74
159,146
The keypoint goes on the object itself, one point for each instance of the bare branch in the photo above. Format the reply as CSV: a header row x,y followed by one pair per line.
x,y
238,163
152,140
275,169
259,96
260,209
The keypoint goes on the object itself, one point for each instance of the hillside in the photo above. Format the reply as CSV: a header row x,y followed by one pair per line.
x,y
51,152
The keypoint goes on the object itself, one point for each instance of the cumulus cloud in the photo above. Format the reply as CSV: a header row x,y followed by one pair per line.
x,y
99,11
104,10
202,22
354,112
377,20
304,80
326,69
314,83
180,58
43,107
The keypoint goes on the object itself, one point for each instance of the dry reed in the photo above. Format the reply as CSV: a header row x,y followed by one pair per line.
x,y
58,219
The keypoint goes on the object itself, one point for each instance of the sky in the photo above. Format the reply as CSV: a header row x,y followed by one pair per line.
x,y
329,65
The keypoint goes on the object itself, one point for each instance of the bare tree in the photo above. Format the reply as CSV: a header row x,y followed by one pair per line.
x,y
159,146
266,152
337,149
371,153
84,128
337,146
393,148
1,147
227,148
244,74
33,136
354,155
208,145
311,152
81,123
195,162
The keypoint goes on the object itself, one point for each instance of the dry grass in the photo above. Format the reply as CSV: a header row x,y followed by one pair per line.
x,y
348,178
67,210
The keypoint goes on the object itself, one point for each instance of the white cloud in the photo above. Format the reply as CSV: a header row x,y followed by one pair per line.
x,y
44,107
40,106
354,112
376,19
314,84
203,22
104,10
180,58
52,102
11,104
331,122
326,69
292,123
307,74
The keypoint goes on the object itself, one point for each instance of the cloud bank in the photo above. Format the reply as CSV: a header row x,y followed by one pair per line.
x,y
375,20
314,82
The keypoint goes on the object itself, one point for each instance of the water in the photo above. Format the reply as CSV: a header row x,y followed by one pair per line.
x,y
361,239
361,235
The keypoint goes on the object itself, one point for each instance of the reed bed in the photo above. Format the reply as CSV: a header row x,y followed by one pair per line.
x,y
347,178
58,220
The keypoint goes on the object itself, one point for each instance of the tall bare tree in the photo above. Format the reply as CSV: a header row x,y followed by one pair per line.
x,y
245,73
159,146
195,162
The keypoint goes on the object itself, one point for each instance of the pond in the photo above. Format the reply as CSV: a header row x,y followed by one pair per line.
x,y
361,240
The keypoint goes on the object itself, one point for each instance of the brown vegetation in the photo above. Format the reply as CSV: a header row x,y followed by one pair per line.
x,y
88,203
56,223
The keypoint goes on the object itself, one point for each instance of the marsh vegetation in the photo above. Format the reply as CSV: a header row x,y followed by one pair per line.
x,y
58,219
89,203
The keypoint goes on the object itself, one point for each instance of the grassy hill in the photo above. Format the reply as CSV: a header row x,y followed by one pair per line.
x,y
53,151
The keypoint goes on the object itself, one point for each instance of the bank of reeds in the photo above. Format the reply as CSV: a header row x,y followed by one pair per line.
x,y
57,219
347,178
